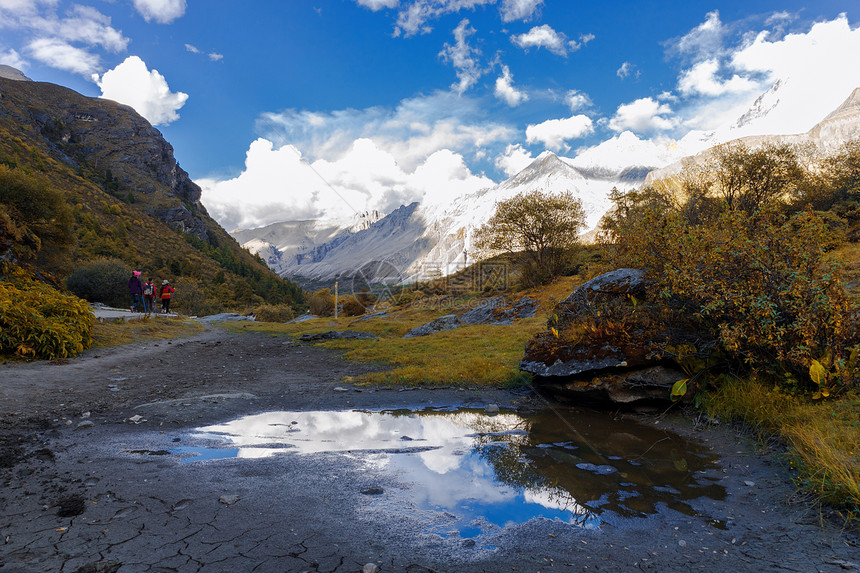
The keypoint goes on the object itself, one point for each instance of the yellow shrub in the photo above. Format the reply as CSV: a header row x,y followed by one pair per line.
x,y
37,320
274,312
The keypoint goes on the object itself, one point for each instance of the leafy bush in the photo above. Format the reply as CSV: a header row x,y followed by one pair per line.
x,y
102,280
36,320
352,307
274,312
192,299
759,282
321,303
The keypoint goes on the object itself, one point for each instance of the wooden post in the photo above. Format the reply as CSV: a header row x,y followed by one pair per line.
x,y
335,300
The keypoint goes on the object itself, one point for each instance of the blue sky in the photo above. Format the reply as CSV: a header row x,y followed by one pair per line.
x,y
271,105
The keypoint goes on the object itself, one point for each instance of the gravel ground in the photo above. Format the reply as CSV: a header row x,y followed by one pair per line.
x,y
76,499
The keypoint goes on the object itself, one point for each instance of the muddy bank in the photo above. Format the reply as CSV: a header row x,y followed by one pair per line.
x,y
87,487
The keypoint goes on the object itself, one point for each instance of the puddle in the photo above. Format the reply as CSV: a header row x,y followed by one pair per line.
x,y
485,472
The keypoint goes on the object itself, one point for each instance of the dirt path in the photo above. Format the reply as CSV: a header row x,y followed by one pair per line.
x,y
77,498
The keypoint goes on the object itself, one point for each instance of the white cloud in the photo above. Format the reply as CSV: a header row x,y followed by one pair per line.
x,y
463,57
411,132
626,149
545,37
215,56
63,56
414,17
555,132
162,11
519,9
514,159
279,184
13,59
626,70
704,41
192,49
146,91
644,115
377,5
577,100
703,79
506,91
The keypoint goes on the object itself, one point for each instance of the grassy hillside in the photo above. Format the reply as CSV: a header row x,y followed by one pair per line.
x,y
123,197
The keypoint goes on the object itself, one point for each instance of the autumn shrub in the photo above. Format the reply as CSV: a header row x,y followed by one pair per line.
x,y
192,299
760,282
352,307
102,280
39,321
321,303
274,312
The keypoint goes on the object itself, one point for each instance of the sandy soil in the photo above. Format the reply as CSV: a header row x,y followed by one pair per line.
x,y
72,501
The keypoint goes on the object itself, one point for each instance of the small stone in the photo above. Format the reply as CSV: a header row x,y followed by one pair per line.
x,y
340,389
85,415
370,568
749,483
491,409
228,499
682,543
372,491
136,419
84,425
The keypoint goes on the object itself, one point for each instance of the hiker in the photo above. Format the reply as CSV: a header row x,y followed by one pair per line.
x,y
148,296
165,292
135,289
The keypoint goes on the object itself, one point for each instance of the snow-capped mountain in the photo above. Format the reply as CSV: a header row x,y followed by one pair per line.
x,y
423,241
839,127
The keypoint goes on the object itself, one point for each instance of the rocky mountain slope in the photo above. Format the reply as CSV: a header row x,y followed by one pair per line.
x,y
129,198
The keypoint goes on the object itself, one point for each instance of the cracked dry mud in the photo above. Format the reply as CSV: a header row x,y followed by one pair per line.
x,y
91,494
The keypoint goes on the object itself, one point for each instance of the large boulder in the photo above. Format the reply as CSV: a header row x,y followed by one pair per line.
x,y
499,310
603,354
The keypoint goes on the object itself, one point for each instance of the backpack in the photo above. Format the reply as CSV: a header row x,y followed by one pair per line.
x,y
148,289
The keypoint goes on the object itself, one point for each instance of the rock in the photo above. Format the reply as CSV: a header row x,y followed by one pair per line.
x,y
136,419
440,324
340,389
372,491
84,425
337,335
303,318
228,499
497,310
619,364
491,409
370,568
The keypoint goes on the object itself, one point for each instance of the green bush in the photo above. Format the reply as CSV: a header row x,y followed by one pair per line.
x,y
274,313
36,320
102,280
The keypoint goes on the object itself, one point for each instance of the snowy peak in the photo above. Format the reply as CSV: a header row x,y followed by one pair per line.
x,y
849,109
542,171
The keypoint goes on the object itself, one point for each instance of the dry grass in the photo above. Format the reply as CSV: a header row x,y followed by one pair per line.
x,y
140,330
823,436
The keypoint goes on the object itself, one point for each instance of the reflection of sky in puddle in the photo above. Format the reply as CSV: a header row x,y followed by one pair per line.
x,y
481,472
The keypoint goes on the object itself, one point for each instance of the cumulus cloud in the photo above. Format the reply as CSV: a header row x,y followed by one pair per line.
x,y
12,58
463,57
279,183
215,56
645,115
63,56
132,83
703,79
191,48
162,11
519,9
514,159
554,133
577,100
506,91
545,37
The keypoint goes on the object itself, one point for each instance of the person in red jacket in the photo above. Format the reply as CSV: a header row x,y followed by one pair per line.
x,y
165,293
